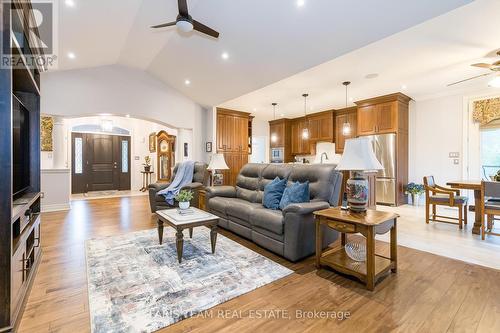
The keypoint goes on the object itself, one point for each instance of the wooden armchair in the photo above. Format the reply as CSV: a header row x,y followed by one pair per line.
x,y
490,207
436,195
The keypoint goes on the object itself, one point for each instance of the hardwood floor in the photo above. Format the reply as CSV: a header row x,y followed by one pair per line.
x,y
429,294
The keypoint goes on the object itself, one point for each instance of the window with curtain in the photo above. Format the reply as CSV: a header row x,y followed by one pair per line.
x,y
490,149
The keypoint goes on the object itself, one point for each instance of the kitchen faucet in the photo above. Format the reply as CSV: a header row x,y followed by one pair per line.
x,y
326,156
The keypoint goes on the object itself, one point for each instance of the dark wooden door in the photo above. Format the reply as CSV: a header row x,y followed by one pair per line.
x,y
100,162
103,162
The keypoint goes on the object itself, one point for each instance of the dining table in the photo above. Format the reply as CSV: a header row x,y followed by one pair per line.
x,y
473,185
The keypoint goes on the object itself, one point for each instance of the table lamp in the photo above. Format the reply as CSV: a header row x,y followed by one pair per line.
x,y
217,162
358,157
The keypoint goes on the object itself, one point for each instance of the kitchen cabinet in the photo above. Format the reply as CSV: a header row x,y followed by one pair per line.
x,y
234,130
277,131
348,115
300,145
321,126
383,115
378,118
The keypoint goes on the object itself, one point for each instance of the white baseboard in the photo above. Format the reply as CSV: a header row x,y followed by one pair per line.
x,y
55,207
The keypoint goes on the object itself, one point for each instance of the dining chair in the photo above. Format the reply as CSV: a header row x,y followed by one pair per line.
x,y
490,207
436,195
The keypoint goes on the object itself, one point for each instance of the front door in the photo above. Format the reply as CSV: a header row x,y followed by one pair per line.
x,y
100,162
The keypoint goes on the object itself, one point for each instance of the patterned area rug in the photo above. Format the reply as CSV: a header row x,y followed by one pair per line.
x,y
137,285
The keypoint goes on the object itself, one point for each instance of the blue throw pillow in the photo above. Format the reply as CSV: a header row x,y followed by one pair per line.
x,y
273,193
295,193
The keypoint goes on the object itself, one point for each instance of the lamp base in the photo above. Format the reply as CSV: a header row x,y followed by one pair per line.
x,y
357,193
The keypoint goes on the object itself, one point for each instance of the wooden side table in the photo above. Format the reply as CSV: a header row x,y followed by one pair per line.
x,y
202,199
368,224
146,180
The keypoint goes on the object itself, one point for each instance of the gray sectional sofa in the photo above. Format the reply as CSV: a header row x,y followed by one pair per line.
x,y
289,233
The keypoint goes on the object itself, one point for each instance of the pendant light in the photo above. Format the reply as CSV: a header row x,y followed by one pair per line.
x,y
305,130
346,127
274,136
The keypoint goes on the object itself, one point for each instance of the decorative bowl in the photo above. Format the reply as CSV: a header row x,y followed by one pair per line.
x,y
356,249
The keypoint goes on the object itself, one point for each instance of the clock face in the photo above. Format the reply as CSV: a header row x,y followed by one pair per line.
x,y
163,146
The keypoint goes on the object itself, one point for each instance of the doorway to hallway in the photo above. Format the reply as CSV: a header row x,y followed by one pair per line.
x,y
100,162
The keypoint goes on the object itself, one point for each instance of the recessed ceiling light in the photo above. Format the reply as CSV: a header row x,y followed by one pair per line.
x,y
404,87
71,55
70,3
254,109
495,83
127,115
371,76
351,99
282,115
301,3
225,55
187,82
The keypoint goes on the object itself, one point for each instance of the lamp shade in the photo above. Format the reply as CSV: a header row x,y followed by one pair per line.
x,y
358,156
217,162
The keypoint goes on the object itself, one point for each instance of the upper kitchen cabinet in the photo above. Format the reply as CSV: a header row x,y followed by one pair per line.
x,y
233,131
321,126
385,114
277,133
342,117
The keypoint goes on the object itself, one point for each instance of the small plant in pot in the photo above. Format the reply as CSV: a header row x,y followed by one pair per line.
x,y
415,190
147,164
184,197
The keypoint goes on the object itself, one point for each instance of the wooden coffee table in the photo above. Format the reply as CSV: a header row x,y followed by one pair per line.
x,y
180,222
369,224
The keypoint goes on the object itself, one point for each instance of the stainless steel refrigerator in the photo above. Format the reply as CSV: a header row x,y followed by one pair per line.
x,y
384,146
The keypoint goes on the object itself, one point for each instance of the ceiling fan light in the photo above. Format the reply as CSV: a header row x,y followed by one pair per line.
x,y
184,26
495,83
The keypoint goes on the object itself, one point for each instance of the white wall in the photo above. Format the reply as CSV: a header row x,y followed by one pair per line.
x,y
120,90
435,131
260,135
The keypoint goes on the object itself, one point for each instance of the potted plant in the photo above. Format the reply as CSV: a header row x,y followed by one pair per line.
x,y
415,190
147,164
184,197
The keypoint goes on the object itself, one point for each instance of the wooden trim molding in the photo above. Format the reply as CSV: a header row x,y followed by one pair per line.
x,y
383,99
233,112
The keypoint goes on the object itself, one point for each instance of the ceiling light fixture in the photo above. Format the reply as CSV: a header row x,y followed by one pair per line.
x,y
346,127
70,3
404,87
187,82
71,55
495,83
274,136
184,25
225,55
305,130
301,3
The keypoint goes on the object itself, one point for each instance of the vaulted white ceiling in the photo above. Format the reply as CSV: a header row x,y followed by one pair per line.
x,y
267,41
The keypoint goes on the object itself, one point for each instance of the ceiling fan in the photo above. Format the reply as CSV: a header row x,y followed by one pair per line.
x,y
185,22
494,68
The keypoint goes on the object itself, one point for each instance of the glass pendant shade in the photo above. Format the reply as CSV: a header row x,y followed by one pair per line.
x,y
346,129
305,133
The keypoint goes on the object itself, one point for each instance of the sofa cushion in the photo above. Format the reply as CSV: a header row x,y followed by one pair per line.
x,y
324,181
273,193
247,182
241,209
268,219
218,205
295,193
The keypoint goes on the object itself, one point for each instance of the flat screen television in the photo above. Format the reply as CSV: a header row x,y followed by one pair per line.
x,y
20,147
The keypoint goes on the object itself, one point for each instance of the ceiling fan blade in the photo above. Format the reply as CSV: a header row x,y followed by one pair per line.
x,y
496,63
471,78
183,8
204,29
481,65
163,25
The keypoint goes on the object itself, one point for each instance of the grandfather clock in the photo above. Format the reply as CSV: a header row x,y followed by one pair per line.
x,y
166,155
